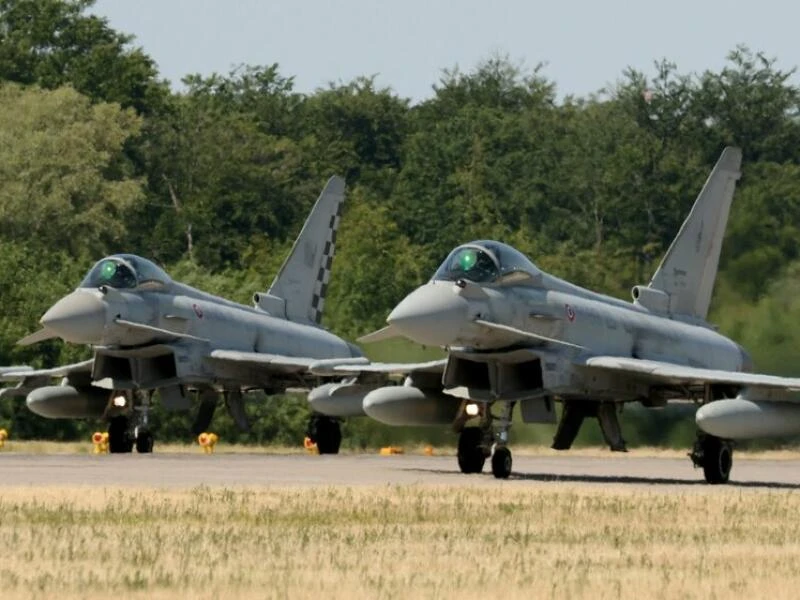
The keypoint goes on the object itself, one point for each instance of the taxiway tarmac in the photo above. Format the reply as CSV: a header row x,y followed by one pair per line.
x,y
189,470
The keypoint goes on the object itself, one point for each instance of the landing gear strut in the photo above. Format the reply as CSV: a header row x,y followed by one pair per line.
x,y
715,456
141,432
122,437
326,433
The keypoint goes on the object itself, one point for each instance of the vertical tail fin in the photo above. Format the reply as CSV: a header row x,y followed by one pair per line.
x,y
688,270
299,289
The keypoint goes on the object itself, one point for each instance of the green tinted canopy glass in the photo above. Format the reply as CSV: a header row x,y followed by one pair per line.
x,y
108,269
468,262
467,259
487,261
126,271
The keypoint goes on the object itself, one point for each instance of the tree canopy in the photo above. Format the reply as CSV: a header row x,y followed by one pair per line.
x,y
213,181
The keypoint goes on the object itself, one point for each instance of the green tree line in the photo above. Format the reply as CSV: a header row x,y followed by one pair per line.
x,y
99,154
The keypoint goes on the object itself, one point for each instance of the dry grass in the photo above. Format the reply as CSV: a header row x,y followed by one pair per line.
x,y
399,542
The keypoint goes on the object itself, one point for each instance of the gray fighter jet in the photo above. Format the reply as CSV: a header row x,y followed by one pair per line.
x,y
149,333
517,335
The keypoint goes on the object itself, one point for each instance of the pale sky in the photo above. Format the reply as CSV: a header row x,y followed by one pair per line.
x,y
585,44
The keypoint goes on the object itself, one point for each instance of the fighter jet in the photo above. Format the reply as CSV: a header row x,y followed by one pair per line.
x,y
517,335
152,333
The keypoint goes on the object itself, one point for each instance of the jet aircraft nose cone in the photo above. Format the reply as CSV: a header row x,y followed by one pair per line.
x,y
79,317
433,314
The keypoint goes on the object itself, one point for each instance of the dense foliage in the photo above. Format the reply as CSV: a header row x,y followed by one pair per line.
x,y
98,155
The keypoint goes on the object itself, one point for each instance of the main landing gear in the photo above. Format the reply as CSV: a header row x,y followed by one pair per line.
x,y
326,433
129,430
715,456
475,444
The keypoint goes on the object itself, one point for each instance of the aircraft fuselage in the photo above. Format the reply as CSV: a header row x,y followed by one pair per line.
x,y
151,338
609,326
489,356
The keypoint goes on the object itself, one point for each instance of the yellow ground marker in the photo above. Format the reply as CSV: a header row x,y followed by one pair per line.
x,y
310,446
207,442
389,450
100,441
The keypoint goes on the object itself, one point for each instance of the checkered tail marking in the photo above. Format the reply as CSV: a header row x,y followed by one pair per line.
x,y
324,274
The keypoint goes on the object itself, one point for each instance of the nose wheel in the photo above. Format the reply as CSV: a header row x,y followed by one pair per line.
x,y
132,429
141,433
501,462
144,441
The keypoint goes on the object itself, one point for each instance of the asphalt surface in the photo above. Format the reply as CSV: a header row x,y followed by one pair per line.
x,y
190,470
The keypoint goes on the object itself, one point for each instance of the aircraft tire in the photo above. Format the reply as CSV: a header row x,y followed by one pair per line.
x,y
119,438
470,454
326,433
144,442
717,460
501,462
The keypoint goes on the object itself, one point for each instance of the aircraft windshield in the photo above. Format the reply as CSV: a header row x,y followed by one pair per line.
x,y
125,271
485,262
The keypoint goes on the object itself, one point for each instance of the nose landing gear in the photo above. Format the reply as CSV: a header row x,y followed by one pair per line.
x,y
131,429
475,443
501,460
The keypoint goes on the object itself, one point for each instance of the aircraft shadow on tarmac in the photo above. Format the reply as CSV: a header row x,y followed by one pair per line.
x,y
620,479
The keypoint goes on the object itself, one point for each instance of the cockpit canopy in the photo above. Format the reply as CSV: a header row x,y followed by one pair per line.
x,y
487,261
125,271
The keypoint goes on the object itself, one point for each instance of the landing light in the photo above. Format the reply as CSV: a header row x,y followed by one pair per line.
x,y
120,401
472,409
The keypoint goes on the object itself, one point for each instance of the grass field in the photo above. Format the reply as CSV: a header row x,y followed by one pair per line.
x,y
398,542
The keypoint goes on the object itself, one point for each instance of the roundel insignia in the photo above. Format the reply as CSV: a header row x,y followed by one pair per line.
x,y
570,313
198,311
